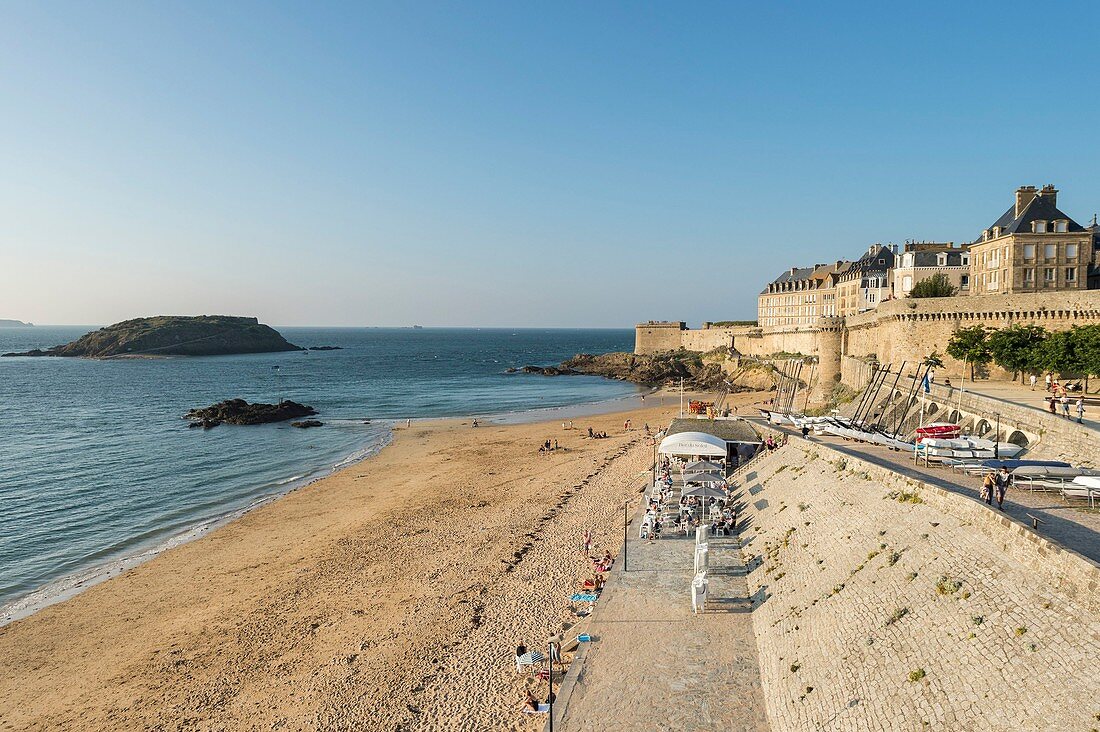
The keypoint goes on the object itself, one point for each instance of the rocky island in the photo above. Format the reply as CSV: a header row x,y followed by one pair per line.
x,y
6,323
174,335
240,412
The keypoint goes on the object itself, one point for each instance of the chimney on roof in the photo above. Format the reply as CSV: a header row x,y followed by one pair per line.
x,y
1050,193
1024,196
839,262
793,270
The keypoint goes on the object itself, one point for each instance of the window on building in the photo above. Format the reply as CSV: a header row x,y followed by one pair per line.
x,y
1004,253
1048,274
906,283
964,282
1029,251
1071,274
941,260
1029,274
1071,251
1039,227
1050,251
1060,227
966,260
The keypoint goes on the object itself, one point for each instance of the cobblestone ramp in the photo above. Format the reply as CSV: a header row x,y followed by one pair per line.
x,y
875,609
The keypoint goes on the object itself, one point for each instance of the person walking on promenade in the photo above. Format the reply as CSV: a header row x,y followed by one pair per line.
x,y
1048,382
1080,409
1032,380
1051,405
1065,405
989,483
1003,480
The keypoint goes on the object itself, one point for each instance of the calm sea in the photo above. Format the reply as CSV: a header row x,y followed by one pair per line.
x,y
96,464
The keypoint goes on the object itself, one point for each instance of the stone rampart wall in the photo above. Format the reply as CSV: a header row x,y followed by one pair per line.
x,y
931,612
651,338
707,339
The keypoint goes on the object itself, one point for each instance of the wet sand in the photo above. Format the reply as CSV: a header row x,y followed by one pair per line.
x,y
388,596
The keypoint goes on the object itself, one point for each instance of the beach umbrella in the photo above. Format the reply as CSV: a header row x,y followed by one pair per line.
x,y
708,477
704,492
703,466
530,658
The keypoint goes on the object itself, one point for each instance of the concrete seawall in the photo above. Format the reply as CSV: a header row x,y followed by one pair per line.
x,y
883,603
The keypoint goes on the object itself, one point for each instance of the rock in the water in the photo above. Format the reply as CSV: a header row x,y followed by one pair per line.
x,y
172,335
240,412
307,423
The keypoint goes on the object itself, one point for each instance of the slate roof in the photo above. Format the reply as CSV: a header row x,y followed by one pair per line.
x,y
1041,208
730,430
931,259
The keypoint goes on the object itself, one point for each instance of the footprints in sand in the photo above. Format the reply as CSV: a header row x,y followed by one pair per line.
x,y
563,500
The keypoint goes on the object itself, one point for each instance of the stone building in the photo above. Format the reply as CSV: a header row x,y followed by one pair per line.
x,y
864,283
799,296
921,260
1032,247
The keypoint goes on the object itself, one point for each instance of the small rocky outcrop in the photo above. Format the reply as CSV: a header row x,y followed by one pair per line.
x,y
549,370
307,423
6,323
646,370
174,335
240,412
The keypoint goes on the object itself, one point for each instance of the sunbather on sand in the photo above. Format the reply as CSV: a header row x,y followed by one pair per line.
x,y
531,703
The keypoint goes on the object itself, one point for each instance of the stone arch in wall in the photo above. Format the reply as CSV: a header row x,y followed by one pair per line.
x,y
954,416
1018,438
931,409
982,427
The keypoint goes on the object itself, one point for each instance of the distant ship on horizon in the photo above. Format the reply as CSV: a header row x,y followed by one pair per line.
x,y
418,327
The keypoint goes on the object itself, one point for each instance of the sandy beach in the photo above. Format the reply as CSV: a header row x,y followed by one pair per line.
x,y
388,596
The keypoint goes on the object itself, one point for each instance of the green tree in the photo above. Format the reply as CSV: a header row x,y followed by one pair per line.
x,y
1018,348
1086,340
970,345
935,286
1059,353
933,359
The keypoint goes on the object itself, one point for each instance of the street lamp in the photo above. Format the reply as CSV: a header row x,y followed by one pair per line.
x,y
997,439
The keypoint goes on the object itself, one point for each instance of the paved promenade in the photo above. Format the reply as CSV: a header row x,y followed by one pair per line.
x,y
653,664
1070,524
1022,395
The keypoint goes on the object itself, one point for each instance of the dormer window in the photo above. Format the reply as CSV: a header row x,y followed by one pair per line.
x,y
996,231
1039,227
985,235
941,260
1060,227
966,260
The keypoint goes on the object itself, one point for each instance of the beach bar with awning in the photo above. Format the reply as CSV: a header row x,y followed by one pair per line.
x,y
732,440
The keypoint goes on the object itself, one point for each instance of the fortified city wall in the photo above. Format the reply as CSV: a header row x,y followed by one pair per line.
x,y
896,331
877,613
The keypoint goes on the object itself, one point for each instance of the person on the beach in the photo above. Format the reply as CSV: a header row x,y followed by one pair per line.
x,y
531,702
1080,406
521,651
586,541
626,425
589,433
474,423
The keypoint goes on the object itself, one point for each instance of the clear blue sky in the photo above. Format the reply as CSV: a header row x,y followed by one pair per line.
x,y
588,164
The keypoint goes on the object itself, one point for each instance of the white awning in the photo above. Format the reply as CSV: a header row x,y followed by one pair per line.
x,y
693,443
